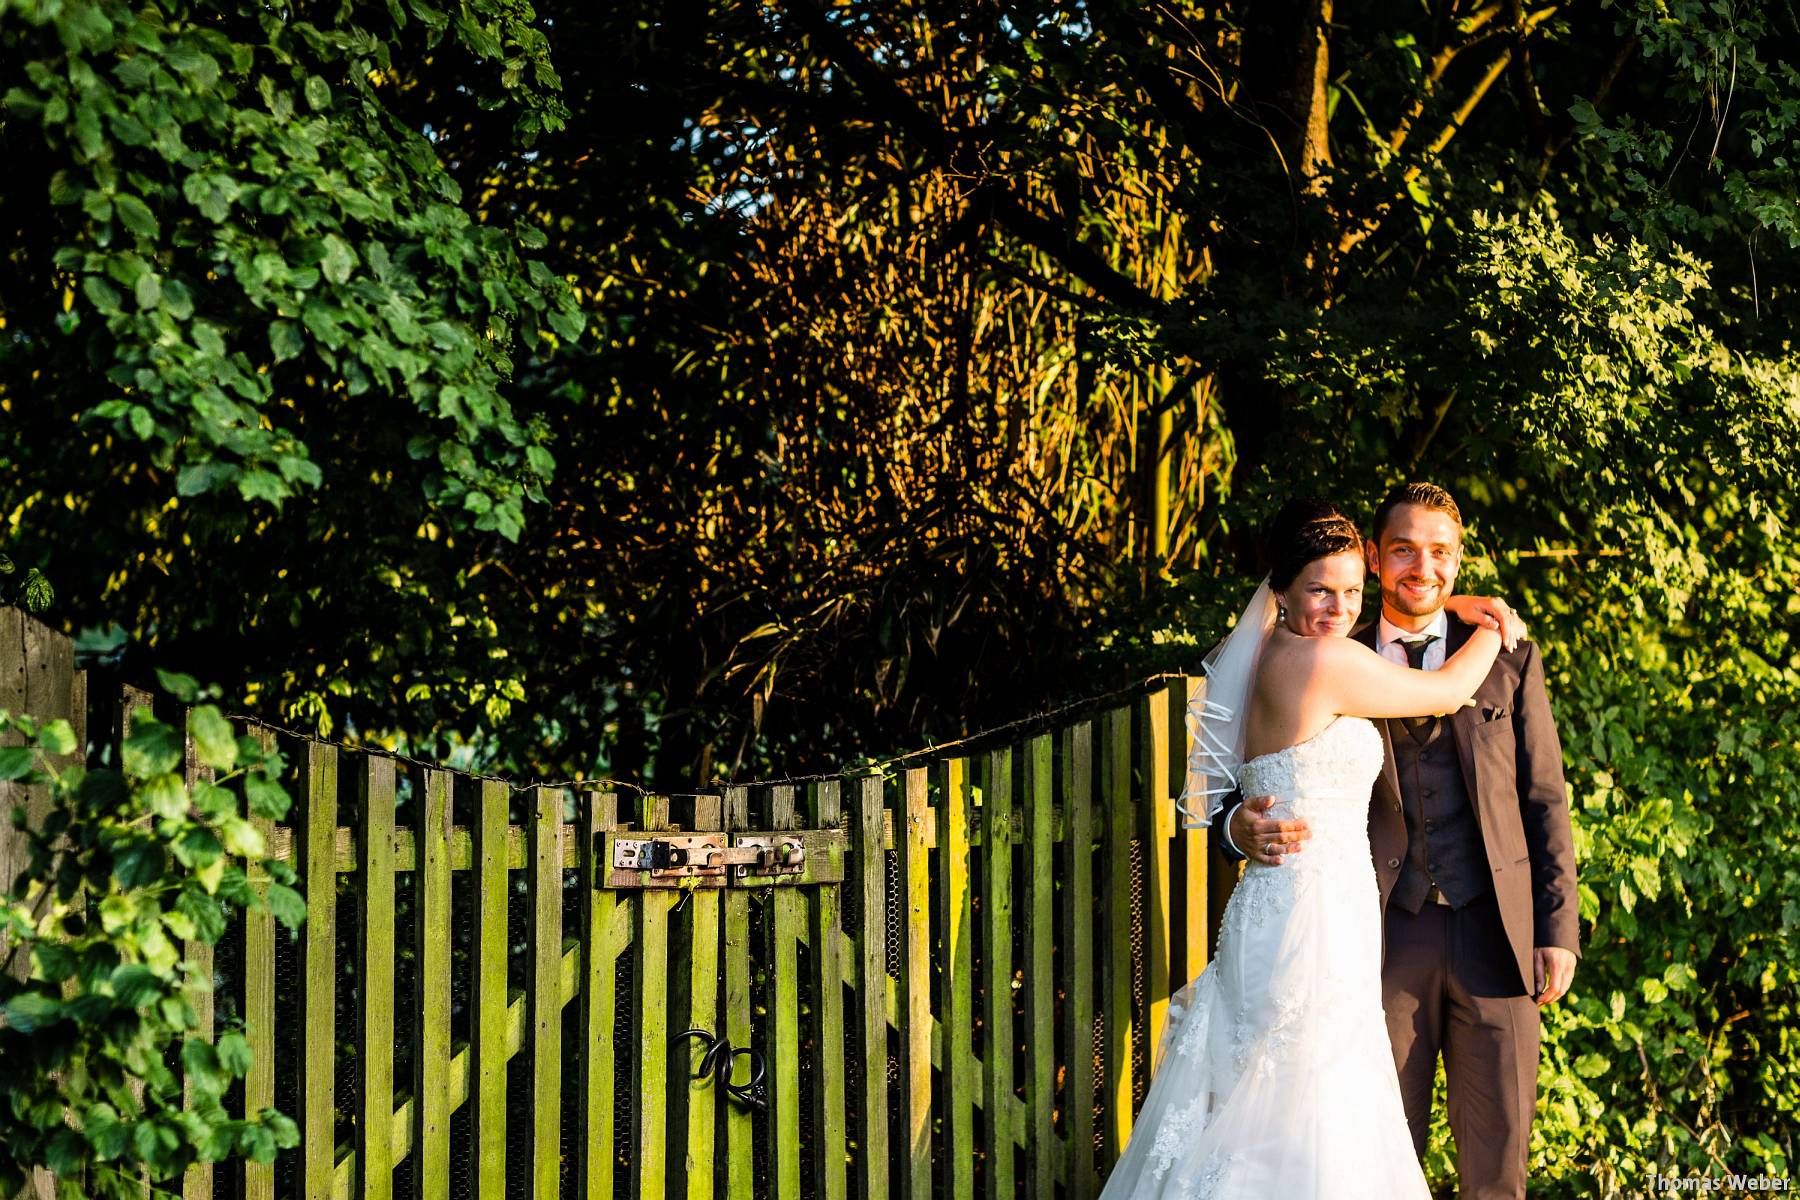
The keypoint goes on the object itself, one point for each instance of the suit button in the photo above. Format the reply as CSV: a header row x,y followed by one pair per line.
x,y
1397,807
1432,867
1393,864
1430,825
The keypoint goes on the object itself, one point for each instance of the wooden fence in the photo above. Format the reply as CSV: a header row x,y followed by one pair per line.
x,y
954,987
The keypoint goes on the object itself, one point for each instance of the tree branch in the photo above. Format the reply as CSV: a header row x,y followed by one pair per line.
x,y
943,148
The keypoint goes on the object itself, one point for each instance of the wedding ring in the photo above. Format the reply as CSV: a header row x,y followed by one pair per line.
x,y
1268,847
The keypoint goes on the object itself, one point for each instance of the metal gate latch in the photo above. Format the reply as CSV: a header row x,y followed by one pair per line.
x,y
700,856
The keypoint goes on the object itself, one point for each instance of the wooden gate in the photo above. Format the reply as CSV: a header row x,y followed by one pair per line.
x,y
949,981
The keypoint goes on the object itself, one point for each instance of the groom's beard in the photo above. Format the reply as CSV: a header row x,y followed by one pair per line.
x,y
1423,602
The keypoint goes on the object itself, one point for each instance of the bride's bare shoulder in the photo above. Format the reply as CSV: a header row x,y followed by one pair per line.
x,y
1288,652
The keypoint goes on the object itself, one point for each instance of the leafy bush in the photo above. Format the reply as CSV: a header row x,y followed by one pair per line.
x,y
129,863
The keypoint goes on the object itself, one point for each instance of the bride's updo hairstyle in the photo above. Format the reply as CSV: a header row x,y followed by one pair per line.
x,y
1304,531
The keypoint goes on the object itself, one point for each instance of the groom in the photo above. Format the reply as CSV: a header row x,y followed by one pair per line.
x,y
1469,824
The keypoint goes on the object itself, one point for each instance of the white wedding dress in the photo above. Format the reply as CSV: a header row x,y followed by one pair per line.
x,y
1277,1080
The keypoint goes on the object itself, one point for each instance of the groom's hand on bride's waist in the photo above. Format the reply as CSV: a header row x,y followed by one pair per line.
x,y
1263,839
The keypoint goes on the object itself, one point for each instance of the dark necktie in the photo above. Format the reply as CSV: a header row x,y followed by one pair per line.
x,y
1415,658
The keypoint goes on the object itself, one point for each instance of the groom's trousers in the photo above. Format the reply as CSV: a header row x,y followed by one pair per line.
x,y
1450,985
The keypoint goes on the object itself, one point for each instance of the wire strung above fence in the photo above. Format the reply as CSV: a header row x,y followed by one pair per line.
x,y
885,767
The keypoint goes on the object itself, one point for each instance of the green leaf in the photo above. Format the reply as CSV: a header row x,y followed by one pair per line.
x,y
136,216
263,485
214,741
200,1062
287,905
16,762
152,749
29,1012
184,688
101,294
285,340
166,796
241,838
206,914
318,93
148,290
57,738
234,1054
541,461
135,985
338,261
266,796
1591,1066
138,865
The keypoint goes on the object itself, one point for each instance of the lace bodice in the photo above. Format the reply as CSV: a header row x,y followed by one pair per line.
x,y
1326,781
1343,757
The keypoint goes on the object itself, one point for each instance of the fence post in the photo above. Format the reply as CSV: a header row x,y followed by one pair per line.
x,y
315,851
544,882
1040,986
872,982
488,1020
703,1013
997,972
601,946
1078,944
825,807
650,998
375,1024
431,1057
1156,828
915,988
1120,822
259,1002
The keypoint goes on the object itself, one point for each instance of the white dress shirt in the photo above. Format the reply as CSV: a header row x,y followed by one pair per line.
x,y
1388,637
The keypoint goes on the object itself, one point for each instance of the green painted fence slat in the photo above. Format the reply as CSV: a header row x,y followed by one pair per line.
x,y
315,859
1115,992
870,863
197,1183
787,917
375,970
650,1002
961,1078
1156,827
1190,867
431,1057
703,1013
259,1005
824,810
739,1152
1078,944
1040,985
488,995
603,941
544,886
997,973
915,988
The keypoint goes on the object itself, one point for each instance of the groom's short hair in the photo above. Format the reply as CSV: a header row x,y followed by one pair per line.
x,y
1425,495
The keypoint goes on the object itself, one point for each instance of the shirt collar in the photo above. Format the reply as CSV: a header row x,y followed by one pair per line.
x,y
1386,633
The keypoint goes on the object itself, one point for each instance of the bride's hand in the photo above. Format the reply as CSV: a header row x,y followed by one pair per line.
x,y
1491,613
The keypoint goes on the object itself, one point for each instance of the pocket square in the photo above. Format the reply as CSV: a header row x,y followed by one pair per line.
x,y
1493,712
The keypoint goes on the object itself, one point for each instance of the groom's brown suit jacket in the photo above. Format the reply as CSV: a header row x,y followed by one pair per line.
x,y
1511,763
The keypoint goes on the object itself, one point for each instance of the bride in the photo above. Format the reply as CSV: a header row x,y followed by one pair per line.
x,y
1276,1076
